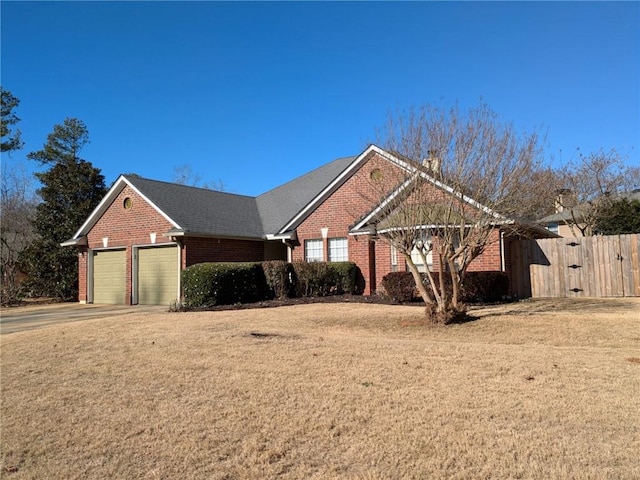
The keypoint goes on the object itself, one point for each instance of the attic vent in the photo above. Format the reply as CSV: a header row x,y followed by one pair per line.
x,y
376,174
127,204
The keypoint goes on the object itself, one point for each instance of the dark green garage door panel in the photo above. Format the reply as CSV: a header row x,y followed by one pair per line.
x,y
109,276
157,275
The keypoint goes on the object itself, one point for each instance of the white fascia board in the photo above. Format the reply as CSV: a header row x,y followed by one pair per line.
x,y
155,207
461,196
435,182
367,231
383,204
329,189
106,202
412,169
75,242
429,227
285,236
113,192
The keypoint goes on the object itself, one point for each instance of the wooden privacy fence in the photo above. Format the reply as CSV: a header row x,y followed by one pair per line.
x,y
600,266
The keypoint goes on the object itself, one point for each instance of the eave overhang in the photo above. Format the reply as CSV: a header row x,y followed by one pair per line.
x,y
337,182
76,242
180,233
290,235
106,202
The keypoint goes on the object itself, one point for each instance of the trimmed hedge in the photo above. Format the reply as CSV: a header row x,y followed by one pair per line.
x,y
477,286
399,286
210,284
321,279
485,286
279,276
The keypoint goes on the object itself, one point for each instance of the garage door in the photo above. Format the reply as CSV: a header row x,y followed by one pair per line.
x,y
157,275
109,276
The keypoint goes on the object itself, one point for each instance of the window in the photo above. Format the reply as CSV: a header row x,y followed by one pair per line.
x,y
313,251
338,250
553,227
425,243
394,259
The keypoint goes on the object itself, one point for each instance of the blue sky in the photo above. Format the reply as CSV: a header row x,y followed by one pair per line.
x,y
255,94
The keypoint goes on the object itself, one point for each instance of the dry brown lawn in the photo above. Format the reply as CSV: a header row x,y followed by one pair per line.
x,y
540,389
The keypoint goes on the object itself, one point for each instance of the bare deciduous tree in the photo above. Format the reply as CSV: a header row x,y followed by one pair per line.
x,y
465,178
17,207
184,175
591,184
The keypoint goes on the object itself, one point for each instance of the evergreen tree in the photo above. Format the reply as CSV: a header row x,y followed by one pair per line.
x,y
10,140
71,189
619,217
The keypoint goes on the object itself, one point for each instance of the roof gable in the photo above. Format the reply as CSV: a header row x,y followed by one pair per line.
x,y
199,211
190,210
108,200
280,205
415,171
351,166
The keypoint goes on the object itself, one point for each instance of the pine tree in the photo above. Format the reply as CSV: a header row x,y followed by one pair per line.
x,y
71,189
10,139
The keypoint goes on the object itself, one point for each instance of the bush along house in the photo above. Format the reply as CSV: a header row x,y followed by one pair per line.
x,y
134,245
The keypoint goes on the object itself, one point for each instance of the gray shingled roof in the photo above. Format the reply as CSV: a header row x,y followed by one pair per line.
x,y
566,215
202,211
279,206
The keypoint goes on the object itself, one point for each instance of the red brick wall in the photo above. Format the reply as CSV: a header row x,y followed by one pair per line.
x,y
82,275
339,212
124,228
490,260
356,197
199,250
131,227
349,203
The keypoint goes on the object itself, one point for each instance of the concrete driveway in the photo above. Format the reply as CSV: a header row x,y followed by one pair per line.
x,y
16,319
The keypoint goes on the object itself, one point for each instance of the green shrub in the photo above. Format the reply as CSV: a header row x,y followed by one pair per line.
x,y
210,284
347,277
485,286
477,286
279,277
311,279
320,279
399,286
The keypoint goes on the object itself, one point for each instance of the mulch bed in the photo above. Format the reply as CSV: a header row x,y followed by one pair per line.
x,y
371,299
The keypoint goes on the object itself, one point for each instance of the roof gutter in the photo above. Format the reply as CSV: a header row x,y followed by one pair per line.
x,y
185,234
76,242
290,235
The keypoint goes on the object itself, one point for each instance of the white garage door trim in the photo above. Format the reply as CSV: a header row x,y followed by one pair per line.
x,y
136,268
91,272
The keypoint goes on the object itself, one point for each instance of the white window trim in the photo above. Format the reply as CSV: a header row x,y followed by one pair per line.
x,y
314,241
343,248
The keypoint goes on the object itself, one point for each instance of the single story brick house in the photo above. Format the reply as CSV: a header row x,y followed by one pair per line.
x,y
136,242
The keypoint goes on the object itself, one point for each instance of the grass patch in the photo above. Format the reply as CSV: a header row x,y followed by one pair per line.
x,y
537,389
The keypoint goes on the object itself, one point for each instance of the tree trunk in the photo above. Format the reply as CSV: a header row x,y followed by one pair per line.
x,y
424,293
455,286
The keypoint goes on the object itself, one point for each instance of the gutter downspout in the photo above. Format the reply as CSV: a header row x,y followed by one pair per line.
x,y
502,259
